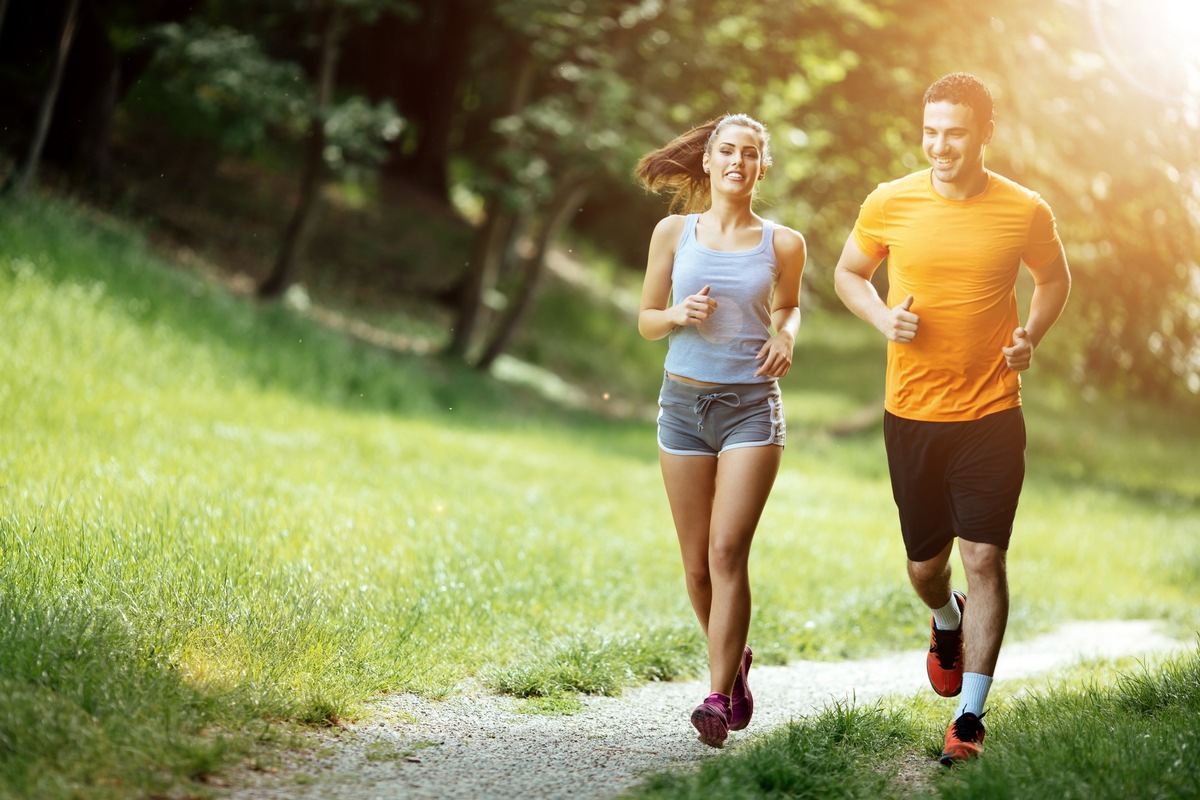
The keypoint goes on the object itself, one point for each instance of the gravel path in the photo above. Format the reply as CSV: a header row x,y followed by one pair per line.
x,y
476,744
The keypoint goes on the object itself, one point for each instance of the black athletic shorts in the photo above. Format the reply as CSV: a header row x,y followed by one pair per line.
x,y
955,479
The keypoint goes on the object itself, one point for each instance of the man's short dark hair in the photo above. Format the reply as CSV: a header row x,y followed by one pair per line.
x,y
965,89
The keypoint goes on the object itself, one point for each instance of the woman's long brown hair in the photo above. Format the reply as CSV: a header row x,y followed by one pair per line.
x,y
678,167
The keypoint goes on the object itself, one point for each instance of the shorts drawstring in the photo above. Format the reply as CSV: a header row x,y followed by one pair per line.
x,y
704,401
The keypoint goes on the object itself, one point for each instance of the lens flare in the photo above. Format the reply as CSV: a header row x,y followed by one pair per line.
x,y
1153,44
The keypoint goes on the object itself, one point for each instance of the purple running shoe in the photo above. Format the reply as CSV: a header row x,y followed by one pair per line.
x,y
742,702
711,719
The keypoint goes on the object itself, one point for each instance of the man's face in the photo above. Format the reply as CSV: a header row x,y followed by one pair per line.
x,y
953,141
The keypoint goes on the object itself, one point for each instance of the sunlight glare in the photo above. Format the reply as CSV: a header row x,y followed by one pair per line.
x,y
1154,44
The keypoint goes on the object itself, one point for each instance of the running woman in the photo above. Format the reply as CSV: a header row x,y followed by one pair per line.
x,y
723,284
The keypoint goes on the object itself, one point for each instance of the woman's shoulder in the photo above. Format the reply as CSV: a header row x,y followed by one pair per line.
x,y
670,227
672,222
787,241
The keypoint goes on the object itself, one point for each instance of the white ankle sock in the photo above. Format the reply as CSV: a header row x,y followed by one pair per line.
x,y
974,694
948,617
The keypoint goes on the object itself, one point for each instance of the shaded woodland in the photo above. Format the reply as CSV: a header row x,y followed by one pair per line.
x,y
521,120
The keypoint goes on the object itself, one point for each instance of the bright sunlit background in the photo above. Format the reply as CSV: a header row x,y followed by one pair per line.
x,y
1154,44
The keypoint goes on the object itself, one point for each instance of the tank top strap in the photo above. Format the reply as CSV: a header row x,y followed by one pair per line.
x,y
689,230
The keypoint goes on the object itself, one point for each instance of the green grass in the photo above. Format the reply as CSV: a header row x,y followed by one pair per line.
x,y
84,704
586,665
218,519
833,755
1132,736
1137,738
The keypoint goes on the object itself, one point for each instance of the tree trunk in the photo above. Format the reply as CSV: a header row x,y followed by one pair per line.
x,y
565,205
78,138
491,243
25,174
94,155
436,100
303,221
96,77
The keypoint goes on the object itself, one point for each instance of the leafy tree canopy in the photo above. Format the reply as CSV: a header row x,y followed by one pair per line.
x,y
526,103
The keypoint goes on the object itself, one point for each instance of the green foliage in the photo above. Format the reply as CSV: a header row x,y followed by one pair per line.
x,y
843,101
1095,107
367,11
616,80
357,133
218,84
559,705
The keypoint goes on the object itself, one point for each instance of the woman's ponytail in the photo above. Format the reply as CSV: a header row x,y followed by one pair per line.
x,y
678,168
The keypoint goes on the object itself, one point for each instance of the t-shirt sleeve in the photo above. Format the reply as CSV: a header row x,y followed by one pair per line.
x,y
1043,245
869,229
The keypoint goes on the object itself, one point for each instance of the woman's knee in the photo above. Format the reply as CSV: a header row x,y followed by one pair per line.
x,y
727,556
698,576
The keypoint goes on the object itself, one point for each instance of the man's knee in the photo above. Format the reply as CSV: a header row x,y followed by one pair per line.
x,y
983,561
932,568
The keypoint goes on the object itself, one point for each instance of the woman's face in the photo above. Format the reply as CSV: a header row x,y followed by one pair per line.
x,y
735,163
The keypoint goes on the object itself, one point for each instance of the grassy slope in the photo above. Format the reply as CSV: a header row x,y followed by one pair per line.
x,y
216,514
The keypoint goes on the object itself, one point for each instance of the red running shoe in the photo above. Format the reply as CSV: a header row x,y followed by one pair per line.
x,y
964,739
944,664
711,719
742,702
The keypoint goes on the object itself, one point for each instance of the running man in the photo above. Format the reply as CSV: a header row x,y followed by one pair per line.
x,y
954,237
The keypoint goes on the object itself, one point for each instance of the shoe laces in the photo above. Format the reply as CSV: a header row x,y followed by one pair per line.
x,y
947,646
969,728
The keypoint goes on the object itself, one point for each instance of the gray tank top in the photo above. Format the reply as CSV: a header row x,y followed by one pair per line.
x,y
725,348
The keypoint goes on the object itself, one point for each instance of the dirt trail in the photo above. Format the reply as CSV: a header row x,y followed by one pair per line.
x,y
478,745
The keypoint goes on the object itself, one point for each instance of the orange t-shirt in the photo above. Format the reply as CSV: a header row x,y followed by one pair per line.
x,y
959,260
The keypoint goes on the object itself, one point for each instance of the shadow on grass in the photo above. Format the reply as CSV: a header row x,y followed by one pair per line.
x,y
129,672
84,707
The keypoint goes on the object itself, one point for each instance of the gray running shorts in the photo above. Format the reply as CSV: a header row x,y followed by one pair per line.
x,y
708,420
